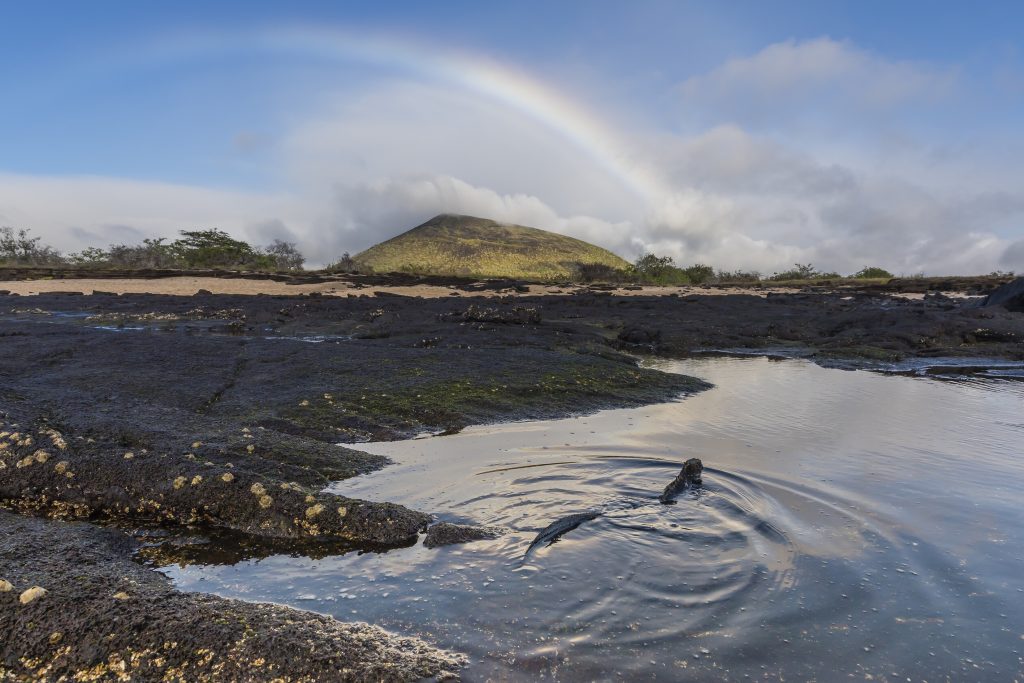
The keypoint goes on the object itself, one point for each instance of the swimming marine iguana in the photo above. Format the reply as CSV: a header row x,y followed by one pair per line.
x,y
553,531
688,477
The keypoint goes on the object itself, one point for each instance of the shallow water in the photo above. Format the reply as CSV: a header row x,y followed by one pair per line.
x,y
850,524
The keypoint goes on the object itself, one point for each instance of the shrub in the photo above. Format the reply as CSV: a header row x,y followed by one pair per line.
x,y
738,276
659,270
803,271
90,256
598,272
870,272
17,248
346,264
285,256
152,253
699,273
214,248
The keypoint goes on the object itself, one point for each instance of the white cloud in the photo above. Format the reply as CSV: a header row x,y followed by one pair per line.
x,y
822,73
756,203
80,211
1013,257
402,129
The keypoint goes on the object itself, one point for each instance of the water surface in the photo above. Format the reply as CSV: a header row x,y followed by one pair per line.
x,y
851,524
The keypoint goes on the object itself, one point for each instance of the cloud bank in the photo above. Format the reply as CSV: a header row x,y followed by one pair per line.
x,y
747,186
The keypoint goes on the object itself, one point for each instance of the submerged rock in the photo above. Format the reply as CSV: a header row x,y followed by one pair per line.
x,y
445,533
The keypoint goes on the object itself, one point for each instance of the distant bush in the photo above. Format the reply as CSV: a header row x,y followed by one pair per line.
x,y
214,248
345,264
803,271
737,276
872,272
659,270
285,255
18,249
598,272
699,273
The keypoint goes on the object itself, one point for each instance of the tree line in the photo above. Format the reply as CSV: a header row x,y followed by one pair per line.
x,y
194,249
652,269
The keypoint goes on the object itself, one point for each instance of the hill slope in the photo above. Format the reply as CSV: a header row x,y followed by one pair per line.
x,y
465,245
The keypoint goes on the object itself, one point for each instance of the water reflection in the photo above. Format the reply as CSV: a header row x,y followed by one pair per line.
x,y
850,524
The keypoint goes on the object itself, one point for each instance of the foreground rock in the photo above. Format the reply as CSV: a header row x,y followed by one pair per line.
x,y
57,474
103,617
225,411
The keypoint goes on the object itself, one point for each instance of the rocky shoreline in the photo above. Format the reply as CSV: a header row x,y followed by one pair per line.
x,y
223,412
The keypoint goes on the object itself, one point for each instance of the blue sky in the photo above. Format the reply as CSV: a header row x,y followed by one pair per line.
x,y
750,135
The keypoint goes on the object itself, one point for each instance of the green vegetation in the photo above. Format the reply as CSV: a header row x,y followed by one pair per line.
x,y
194,249
661,270
431,402
872,273
477,247
17,248
803,271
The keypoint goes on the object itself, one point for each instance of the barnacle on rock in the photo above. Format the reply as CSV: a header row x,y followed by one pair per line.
x,y
33,593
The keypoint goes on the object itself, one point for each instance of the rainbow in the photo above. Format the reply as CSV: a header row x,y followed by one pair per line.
x,y
474,73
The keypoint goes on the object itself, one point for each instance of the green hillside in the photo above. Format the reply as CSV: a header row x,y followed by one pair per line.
x,y
464,245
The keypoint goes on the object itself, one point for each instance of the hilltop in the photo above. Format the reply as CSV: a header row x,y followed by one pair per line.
x,y
465,245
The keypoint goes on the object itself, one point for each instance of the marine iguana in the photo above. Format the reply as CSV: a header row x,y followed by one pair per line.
x,y
688,477
553,531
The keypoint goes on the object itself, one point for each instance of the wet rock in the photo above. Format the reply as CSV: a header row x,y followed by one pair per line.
x,y
445,533
1010,296
154,632
503,315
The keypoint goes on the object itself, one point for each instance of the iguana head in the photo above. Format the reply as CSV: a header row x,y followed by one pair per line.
x,y
692,470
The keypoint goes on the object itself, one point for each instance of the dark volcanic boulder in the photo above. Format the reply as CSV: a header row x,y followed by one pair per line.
x,y
1010,296
445,533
